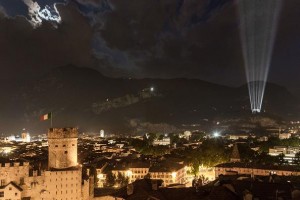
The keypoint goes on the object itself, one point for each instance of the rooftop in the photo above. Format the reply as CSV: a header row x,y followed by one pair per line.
x,y
258,166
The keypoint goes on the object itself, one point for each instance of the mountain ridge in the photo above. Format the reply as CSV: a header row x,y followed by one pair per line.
x,y
70,92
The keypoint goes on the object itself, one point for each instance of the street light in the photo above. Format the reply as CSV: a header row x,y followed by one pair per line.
x,y
216,134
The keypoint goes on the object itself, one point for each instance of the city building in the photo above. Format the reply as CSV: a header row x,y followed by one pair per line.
x,y
102,134
64,178
164,141
25,136
283,136
255,170
169,173
64,175
288,153
134,170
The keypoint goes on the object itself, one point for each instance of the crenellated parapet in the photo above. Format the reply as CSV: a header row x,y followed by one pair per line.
x,y
59,133
14,164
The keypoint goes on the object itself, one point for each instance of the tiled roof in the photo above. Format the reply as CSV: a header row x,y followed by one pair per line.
x,y
258,166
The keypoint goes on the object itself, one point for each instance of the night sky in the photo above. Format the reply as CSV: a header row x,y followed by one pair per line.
x,y
140,38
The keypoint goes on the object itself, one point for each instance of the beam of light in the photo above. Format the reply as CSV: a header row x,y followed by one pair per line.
x,y
258,19
38,14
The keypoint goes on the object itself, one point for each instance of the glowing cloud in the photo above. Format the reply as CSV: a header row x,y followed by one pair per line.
x,y
2,11
38,15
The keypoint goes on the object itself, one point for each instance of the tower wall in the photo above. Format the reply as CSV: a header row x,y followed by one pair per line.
x,y
62,148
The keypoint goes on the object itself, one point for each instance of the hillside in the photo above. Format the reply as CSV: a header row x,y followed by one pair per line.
x,y
83,97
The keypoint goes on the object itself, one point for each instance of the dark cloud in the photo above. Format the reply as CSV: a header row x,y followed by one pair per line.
x,y
2,12
131,38
177,38
285,66
90,2
148,38
26,51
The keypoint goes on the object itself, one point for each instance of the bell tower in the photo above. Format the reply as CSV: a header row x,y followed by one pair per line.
x,y
62,148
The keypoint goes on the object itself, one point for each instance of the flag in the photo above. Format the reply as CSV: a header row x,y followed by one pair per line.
x,y
46,117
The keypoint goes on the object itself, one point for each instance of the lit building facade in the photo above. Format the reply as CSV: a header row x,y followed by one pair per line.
x,y
62,181
172,174
255,170
164,141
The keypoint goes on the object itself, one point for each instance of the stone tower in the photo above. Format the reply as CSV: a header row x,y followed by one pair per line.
x,y
62,148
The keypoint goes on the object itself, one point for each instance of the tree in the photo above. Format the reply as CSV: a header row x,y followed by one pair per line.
x,y
197,136
265,159
246,153
138,144
110,179
174,138
296,160
160,137
195,167
147,176
151,137
212,152
122,180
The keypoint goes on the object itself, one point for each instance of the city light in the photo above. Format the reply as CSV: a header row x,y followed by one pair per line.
x,y
174,174
7,150
216,134
152,89
100,176
128,173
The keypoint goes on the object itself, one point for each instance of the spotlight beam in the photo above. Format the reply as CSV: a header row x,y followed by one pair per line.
x,y
258,21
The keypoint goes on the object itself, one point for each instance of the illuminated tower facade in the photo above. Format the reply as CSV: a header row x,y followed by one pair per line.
x,y
62,148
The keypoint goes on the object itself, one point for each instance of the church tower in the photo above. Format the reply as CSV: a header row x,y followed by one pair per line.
x,y
62,148
235,155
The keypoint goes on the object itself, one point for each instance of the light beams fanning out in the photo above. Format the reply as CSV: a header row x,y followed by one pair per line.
x,y
258,20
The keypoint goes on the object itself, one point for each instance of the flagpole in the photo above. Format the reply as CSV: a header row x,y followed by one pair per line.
x,y
51,119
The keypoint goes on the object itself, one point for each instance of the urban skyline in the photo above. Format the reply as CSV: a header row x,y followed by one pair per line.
x,y
149,99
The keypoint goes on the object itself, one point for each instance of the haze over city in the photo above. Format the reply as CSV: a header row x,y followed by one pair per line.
x,y
144,99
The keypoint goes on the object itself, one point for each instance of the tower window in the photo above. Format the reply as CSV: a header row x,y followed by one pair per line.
x,y
56,145
66,152
64,145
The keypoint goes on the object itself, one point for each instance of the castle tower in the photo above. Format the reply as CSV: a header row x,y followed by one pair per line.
x,y
62,148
